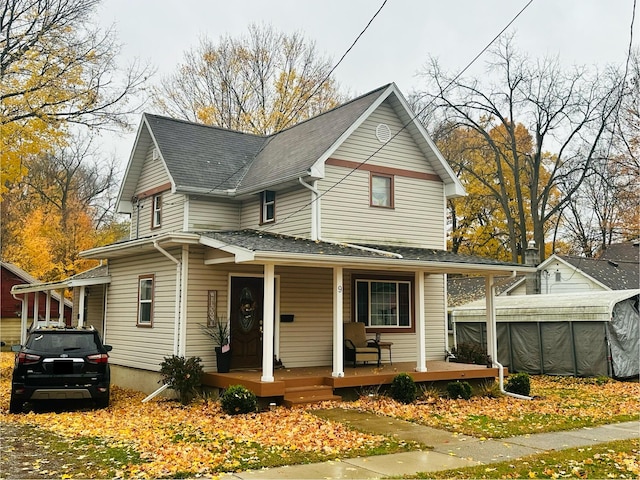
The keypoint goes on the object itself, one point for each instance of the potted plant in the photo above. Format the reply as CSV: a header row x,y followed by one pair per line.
x,y
220,334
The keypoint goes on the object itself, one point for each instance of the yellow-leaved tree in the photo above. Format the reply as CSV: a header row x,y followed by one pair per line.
x,y
260,83
56,68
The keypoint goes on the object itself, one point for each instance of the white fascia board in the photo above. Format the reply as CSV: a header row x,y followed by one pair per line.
x,y
121,206
38,287
176,238
453,188
318,166
241,254
388,263
83,282
161,157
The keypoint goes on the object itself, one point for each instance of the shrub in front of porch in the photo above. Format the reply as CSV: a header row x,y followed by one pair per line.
x,y
471,352
403,388
237,399
182,375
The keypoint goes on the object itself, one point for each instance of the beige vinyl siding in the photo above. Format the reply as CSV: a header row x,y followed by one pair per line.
x,y
213,214
133,346
153,173
293,213
417,218
404,344
171,220
400,152
307,293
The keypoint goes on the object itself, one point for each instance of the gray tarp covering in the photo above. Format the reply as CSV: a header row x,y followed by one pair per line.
x,y
560,334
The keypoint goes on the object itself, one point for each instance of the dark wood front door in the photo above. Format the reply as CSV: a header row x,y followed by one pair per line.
x,y
247,297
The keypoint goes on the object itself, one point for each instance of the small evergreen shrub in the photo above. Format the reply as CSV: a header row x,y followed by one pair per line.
x,y
471,352
404,389
457,390
518,383
237,399
182,375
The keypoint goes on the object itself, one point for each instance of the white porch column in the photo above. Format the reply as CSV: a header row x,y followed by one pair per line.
x,y
61,319
492,342
81,301
36,307
47,307
421,354
23,318
268,323
338,323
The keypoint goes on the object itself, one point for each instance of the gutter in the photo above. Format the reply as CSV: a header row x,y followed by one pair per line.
x,y
315,209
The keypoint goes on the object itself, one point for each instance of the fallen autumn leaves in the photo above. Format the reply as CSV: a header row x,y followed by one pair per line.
x,y
172,440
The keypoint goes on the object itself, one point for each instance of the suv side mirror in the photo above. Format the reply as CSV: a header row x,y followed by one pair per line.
x,y
108,348
16,348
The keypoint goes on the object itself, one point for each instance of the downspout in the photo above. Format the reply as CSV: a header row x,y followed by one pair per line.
x,y
494,347
315,209
176,326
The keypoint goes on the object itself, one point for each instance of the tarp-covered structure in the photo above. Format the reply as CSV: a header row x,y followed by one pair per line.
x,y
582,334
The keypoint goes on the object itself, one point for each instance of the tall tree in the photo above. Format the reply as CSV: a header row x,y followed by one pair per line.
x,y
56,68
565,112
58,210
259,83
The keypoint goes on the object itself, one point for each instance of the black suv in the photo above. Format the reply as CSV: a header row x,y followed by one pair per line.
x,y
58,364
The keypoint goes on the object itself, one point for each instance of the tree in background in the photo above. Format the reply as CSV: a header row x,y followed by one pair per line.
x,y
61,207
56,68
565,112
260,83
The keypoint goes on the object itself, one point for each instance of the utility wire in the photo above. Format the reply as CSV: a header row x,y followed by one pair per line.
x,y
320,84
469,64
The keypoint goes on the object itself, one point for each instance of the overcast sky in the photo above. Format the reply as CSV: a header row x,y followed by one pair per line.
x,y
393,49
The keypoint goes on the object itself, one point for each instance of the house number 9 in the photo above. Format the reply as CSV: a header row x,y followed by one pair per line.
x,y
339,288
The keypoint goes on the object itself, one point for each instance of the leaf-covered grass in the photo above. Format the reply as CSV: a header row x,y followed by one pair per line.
x,y
165,439
619,459
559,403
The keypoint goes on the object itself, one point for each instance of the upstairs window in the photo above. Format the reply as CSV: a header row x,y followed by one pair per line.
x,y
384,304
145,300
156,211
268,210
381,189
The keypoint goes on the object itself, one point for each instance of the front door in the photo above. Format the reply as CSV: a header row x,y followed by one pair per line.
x,y
247,296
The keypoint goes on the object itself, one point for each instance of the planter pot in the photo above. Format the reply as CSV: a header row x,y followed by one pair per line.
x,y
223,360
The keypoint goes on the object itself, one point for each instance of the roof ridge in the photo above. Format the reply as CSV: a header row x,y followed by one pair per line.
x,y
205,125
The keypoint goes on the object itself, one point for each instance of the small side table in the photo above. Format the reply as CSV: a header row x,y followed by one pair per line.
x,y
386,346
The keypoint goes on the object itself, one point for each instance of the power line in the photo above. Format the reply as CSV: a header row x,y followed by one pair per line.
x,y
469,64
320,84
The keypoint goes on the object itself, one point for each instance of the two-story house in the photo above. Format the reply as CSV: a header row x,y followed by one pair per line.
x,y
340,218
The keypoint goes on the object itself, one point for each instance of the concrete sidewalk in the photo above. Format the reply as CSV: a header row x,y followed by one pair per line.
x,y
449,450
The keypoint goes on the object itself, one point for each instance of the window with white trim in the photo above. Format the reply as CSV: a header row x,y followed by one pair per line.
x,y
384,304
145,300
268,210
381,191
156,218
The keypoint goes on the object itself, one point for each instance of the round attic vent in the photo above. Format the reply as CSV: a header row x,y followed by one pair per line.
x,y
383,133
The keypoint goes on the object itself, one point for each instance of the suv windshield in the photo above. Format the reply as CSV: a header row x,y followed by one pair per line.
x,y
56,342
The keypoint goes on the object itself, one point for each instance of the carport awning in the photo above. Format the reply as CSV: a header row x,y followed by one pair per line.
x,y
567,307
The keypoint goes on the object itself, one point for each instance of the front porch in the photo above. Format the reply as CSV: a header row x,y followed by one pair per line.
x,y
315,384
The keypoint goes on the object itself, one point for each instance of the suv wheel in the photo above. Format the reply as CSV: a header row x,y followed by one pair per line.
x,y
102,402
15,406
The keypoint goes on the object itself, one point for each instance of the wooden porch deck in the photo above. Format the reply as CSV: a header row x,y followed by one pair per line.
x,y
314,384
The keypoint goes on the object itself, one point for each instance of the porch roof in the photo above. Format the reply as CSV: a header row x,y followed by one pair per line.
x,y
252,245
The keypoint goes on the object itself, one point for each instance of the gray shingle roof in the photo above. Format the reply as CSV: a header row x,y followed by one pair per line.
x,y
201,157
615,274
462,290
293,151
269,242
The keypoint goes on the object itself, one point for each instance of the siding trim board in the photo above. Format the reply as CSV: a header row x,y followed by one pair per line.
x,y
383,170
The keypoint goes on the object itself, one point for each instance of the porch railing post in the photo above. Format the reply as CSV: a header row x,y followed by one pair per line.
x,y
268,323
338,321
421,356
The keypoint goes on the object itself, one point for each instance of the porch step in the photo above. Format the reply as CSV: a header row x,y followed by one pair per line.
x,y
309,394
